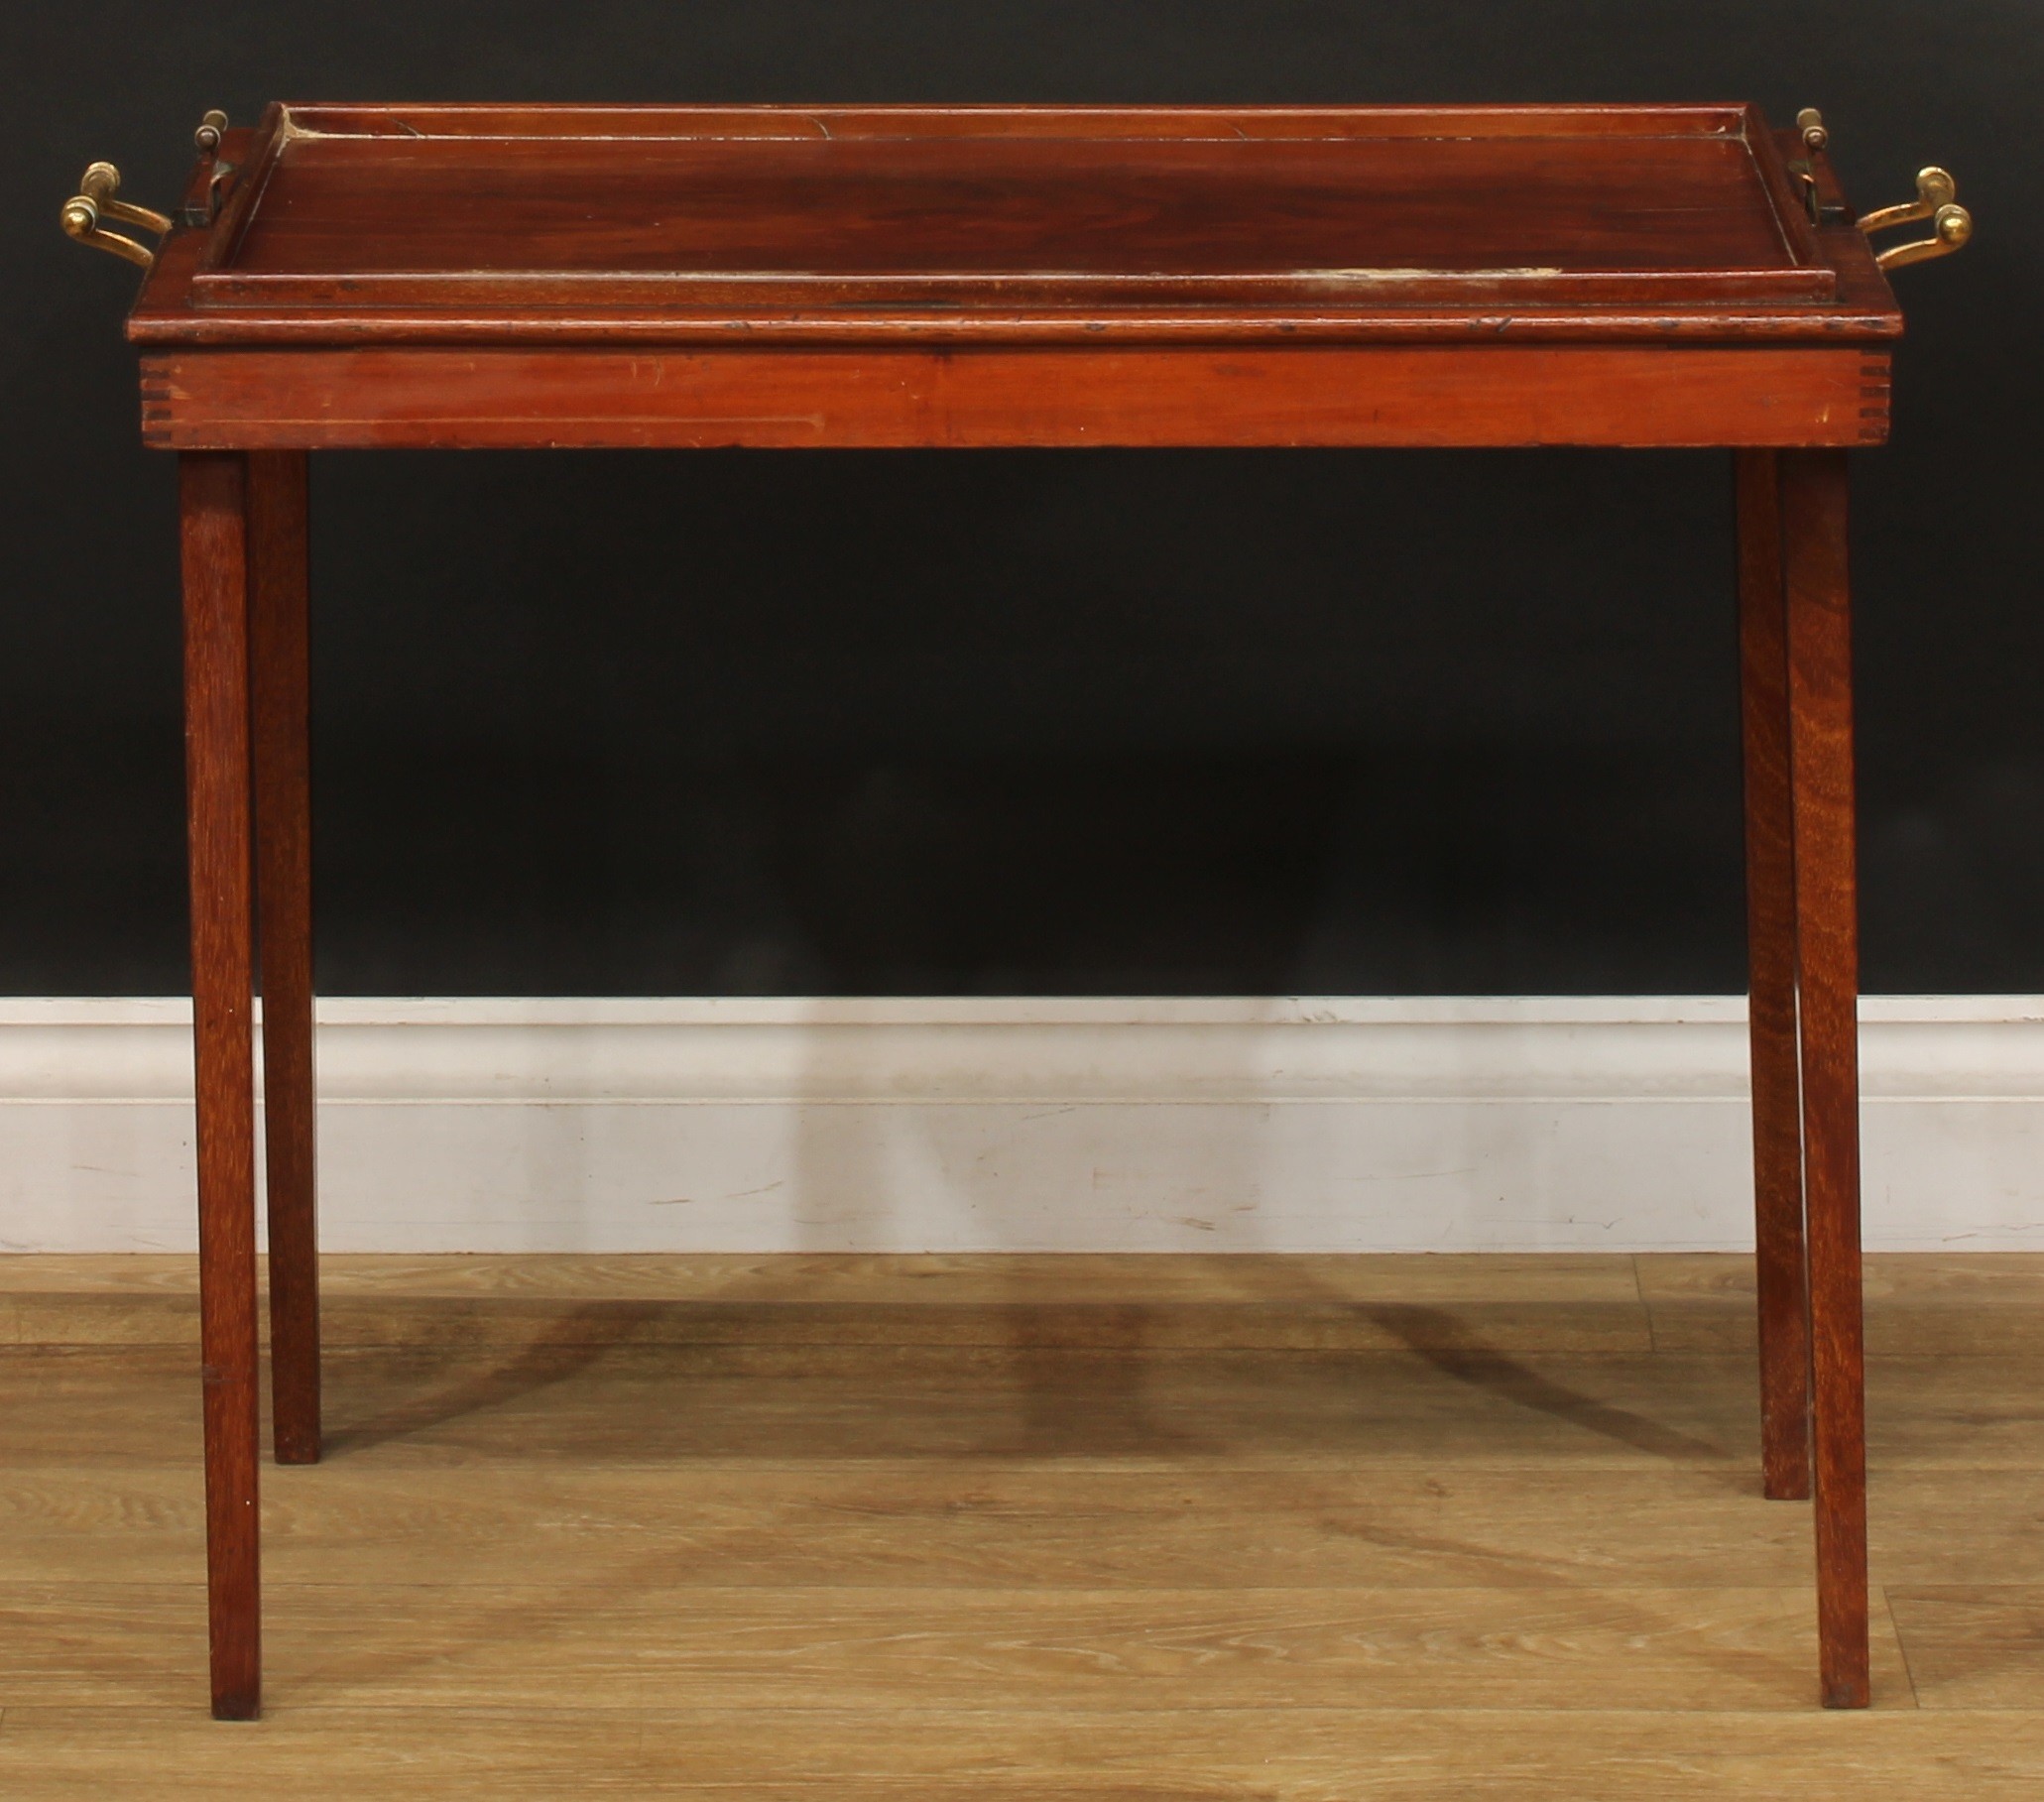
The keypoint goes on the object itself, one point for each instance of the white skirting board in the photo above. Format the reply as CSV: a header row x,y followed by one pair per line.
x,y
1293,1125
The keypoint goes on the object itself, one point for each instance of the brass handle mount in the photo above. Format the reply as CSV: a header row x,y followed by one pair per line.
x,y
1936,200
97,200
1951,223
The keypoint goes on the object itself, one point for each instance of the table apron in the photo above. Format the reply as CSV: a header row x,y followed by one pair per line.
x,y
1498,395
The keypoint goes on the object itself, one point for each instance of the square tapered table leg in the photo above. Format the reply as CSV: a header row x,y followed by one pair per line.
x,y
1784,1278
280,714
1813,496
213,492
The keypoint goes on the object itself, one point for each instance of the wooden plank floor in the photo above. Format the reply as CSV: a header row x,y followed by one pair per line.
x,y
1023,1527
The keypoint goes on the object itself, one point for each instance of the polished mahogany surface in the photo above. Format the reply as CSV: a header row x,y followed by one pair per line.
x,y
403,223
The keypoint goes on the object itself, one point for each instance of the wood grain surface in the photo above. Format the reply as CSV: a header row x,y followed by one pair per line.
x,y
372,218
1120,1536
1821,786
789,399
1784,1298
220,777
279,712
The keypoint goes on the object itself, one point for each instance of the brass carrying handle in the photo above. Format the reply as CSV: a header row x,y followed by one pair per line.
x,y
98,199
1951,223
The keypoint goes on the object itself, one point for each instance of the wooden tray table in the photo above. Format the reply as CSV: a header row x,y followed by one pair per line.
x,y
453,277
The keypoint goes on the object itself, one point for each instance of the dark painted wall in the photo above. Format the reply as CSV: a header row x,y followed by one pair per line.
x,y
1030,722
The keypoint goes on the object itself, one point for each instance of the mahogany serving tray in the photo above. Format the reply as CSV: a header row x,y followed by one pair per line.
x,y
424,222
